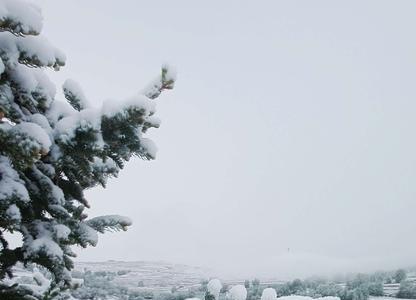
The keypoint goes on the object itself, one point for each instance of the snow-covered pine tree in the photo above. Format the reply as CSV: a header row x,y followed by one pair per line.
x,y
52,150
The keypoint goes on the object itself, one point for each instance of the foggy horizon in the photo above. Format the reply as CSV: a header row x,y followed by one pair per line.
x,y
286,148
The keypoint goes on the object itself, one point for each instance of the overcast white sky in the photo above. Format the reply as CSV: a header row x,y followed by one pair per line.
x,y
288,145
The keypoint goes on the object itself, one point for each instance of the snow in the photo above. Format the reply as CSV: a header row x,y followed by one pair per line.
x,y
48,170
154,121
237,292
33,80
2,67
170,72
164,81
77,281
33,280
61,231
41,121
56,192
57,208
39,47
56,195
55,152
43,127
74,89
269,294
85,119
157,276
41,241
60,57
59,110
10,183
30,50
14,212
294,297
36,132
112,107
104,166
385,298
26,79
149,147
27,15
40,279
45,85
214,287
44,244
88,234
109,222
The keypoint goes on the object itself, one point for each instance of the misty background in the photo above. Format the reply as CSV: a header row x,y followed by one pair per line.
x,y
287,147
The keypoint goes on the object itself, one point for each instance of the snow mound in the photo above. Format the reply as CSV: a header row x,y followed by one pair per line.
x,y
269,294
238,292
214,287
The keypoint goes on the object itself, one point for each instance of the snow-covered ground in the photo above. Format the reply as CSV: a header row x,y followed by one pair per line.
x,y
386,298
151,275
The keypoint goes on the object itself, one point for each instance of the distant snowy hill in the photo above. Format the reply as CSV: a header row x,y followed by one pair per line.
x,y
154,275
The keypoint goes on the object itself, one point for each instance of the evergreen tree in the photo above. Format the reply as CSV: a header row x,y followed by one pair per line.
x,y
375,289
400,275
51,151
407,290
209,296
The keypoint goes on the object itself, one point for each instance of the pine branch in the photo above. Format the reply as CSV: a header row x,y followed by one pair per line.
x,y
165,81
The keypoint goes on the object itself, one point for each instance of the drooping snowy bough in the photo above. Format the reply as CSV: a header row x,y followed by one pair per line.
x,y
52,150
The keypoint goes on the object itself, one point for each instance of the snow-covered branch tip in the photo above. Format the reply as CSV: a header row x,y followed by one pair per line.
x,y
109,223
165,81
75,95
20,18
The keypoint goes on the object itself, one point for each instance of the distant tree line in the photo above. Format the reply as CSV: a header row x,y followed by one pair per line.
x,y
347,287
